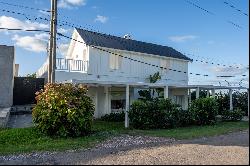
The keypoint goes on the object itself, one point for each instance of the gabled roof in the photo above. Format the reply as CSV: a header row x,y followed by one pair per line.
x,y
108,41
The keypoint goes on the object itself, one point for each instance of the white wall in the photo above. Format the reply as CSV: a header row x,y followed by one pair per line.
x,y
130,71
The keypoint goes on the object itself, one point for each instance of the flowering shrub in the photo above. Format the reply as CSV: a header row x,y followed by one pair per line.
x,y
63,110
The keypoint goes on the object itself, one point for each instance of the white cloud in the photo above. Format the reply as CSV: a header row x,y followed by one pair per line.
x,y
62,30
101,19
71,3
10,22
36,43
228,71
182,38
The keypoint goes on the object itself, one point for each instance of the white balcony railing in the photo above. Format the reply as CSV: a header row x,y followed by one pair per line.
x,y
68,65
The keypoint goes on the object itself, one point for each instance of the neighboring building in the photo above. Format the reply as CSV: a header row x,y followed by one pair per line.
x,y
107,74
7,69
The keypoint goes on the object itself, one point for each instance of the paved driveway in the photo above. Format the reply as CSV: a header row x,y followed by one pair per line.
x,y
231,148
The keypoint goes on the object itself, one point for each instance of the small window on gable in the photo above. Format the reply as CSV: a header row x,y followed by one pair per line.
x,y
84,54
76,56
115,62
165,64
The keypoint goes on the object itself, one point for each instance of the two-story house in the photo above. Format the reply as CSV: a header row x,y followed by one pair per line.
x,y
115,68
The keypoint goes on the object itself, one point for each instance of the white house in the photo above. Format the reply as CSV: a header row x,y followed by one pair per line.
x,y
115,68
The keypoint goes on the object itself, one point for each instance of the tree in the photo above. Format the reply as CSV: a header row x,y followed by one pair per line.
x,y
146,94
33,75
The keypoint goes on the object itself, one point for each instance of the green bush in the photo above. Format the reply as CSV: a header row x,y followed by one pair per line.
x,y
63,110
232,115
114,117
204,111
156,114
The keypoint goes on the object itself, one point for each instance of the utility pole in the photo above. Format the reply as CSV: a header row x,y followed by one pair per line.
x,y
52,42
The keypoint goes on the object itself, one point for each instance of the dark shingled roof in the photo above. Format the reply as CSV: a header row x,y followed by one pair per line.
x,y
108,41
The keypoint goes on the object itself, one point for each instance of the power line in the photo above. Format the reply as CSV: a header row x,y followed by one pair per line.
x,y
135,60
25,7
215,63
235,8
199,7
69,24
228,21
48,11
27,30
25,15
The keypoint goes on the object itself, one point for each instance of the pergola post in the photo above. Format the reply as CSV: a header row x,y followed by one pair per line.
x,y
189,96
208,93
127,107
213,92
106,91
197,92
231,99
165,92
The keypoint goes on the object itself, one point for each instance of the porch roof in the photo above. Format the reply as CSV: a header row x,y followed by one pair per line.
x,y
146,85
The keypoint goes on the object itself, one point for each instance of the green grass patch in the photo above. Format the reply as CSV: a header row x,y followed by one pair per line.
x,y
195,131
30,140
21,140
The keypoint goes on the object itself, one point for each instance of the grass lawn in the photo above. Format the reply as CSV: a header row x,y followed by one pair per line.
x,y
28,139
195,131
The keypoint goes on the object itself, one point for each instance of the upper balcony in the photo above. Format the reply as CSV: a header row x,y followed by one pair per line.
x,y
67,65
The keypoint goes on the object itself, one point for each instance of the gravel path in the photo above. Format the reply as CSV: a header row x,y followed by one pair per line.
x,y
232,148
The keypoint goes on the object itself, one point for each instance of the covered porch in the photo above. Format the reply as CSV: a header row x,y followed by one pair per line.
x,y
101,93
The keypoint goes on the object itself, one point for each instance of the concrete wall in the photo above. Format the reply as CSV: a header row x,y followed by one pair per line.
x,y
7,68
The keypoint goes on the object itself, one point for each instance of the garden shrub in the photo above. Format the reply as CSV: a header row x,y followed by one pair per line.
x,y
63,110
204,111
232,115
156,114
114,117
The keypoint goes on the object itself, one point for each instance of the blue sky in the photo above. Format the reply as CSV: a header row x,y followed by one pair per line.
x,y
175,23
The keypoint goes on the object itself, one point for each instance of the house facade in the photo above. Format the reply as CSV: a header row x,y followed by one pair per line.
x,y
108,65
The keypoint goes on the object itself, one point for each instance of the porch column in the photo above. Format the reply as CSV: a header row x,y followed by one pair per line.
x,y
208,93
106,91
96,103
231,99
213,92
189,96
165,92
197,92
127,107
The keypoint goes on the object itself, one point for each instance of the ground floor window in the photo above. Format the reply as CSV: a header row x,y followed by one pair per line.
x,y
178,99
118,105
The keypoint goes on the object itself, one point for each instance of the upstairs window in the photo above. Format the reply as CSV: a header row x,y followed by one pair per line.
x,y
166,64
115,62
84,55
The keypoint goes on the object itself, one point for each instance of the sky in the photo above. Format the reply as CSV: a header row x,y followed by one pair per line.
x,y
216,31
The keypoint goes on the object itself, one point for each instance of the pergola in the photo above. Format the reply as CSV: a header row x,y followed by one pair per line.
x,y
142,85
